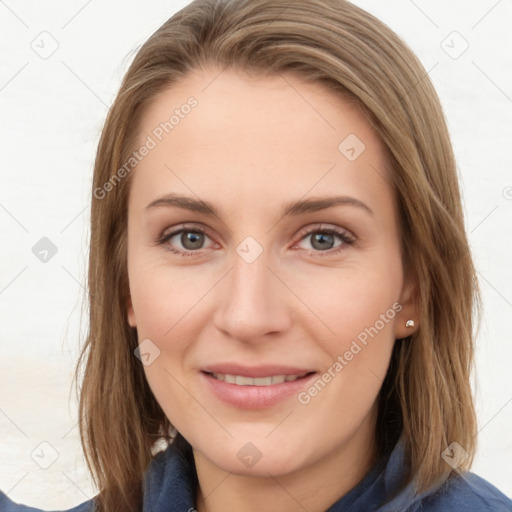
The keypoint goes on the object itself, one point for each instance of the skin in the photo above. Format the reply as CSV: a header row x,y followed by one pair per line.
x,y
252,145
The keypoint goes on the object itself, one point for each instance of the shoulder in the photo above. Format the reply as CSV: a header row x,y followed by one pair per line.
x,y
7,505
466,492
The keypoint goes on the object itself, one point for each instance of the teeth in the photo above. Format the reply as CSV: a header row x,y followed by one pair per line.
x,y
263,381
230,379
240,380
244,381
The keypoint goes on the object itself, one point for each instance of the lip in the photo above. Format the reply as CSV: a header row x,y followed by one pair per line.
x,y
254,397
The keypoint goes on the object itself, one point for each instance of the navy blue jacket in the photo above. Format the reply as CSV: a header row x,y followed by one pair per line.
x,y
170,487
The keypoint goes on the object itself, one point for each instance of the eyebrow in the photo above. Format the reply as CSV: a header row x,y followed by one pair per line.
x,y
299,207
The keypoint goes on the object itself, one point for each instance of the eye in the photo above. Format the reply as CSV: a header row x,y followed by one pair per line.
x,y
190,239
323,240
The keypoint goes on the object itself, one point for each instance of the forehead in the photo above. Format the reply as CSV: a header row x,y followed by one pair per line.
x,y
225,132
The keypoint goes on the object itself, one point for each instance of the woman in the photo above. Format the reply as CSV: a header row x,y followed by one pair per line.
x,y
281,285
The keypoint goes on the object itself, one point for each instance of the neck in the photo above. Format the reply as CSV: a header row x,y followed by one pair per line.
x,y
314,488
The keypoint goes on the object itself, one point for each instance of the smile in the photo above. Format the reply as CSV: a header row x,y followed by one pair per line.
x,y
241,380
255,388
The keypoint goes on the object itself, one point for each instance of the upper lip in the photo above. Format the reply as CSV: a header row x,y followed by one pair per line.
x,y
255,371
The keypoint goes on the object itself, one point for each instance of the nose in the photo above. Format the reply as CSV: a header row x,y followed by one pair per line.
x,y
253,301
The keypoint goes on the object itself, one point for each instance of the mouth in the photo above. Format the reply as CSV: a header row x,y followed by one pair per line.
x,y
242,380
255,388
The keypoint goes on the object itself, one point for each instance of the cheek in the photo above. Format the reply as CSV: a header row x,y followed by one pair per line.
x,y
351,301
169,305
164,299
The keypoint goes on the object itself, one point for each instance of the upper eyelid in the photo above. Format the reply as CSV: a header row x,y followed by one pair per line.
x,y
175,230
323,227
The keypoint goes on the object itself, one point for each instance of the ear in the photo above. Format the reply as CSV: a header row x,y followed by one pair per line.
x,y
409,300
131,313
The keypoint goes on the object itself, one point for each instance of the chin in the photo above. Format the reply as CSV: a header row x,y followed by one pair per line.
x,y
259,458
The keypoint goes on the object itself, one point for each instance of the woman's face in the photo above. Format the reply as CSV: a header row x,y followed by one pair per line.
x,y
268,311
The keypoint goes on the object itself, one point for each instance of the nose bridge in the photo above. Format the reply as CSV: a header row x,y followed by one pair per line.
x,y
251,303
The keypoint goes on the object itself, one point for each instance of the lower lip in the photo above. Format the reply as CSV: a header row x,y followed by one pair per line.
x,y
255,397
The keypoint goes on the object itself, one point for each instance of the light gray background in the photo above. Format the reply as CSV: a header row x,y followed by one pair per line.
x,y
52,112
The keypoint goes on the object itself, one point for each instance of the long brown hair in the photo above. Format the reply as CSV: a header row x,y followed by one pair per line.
x,y
426,396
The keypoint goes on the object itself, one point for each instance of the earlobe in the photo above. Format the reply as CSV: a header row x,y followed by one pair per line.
x,y
406,322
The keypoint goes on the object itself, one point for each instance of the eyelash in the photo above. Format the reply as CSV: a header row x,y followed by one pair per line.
x,y
343,235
